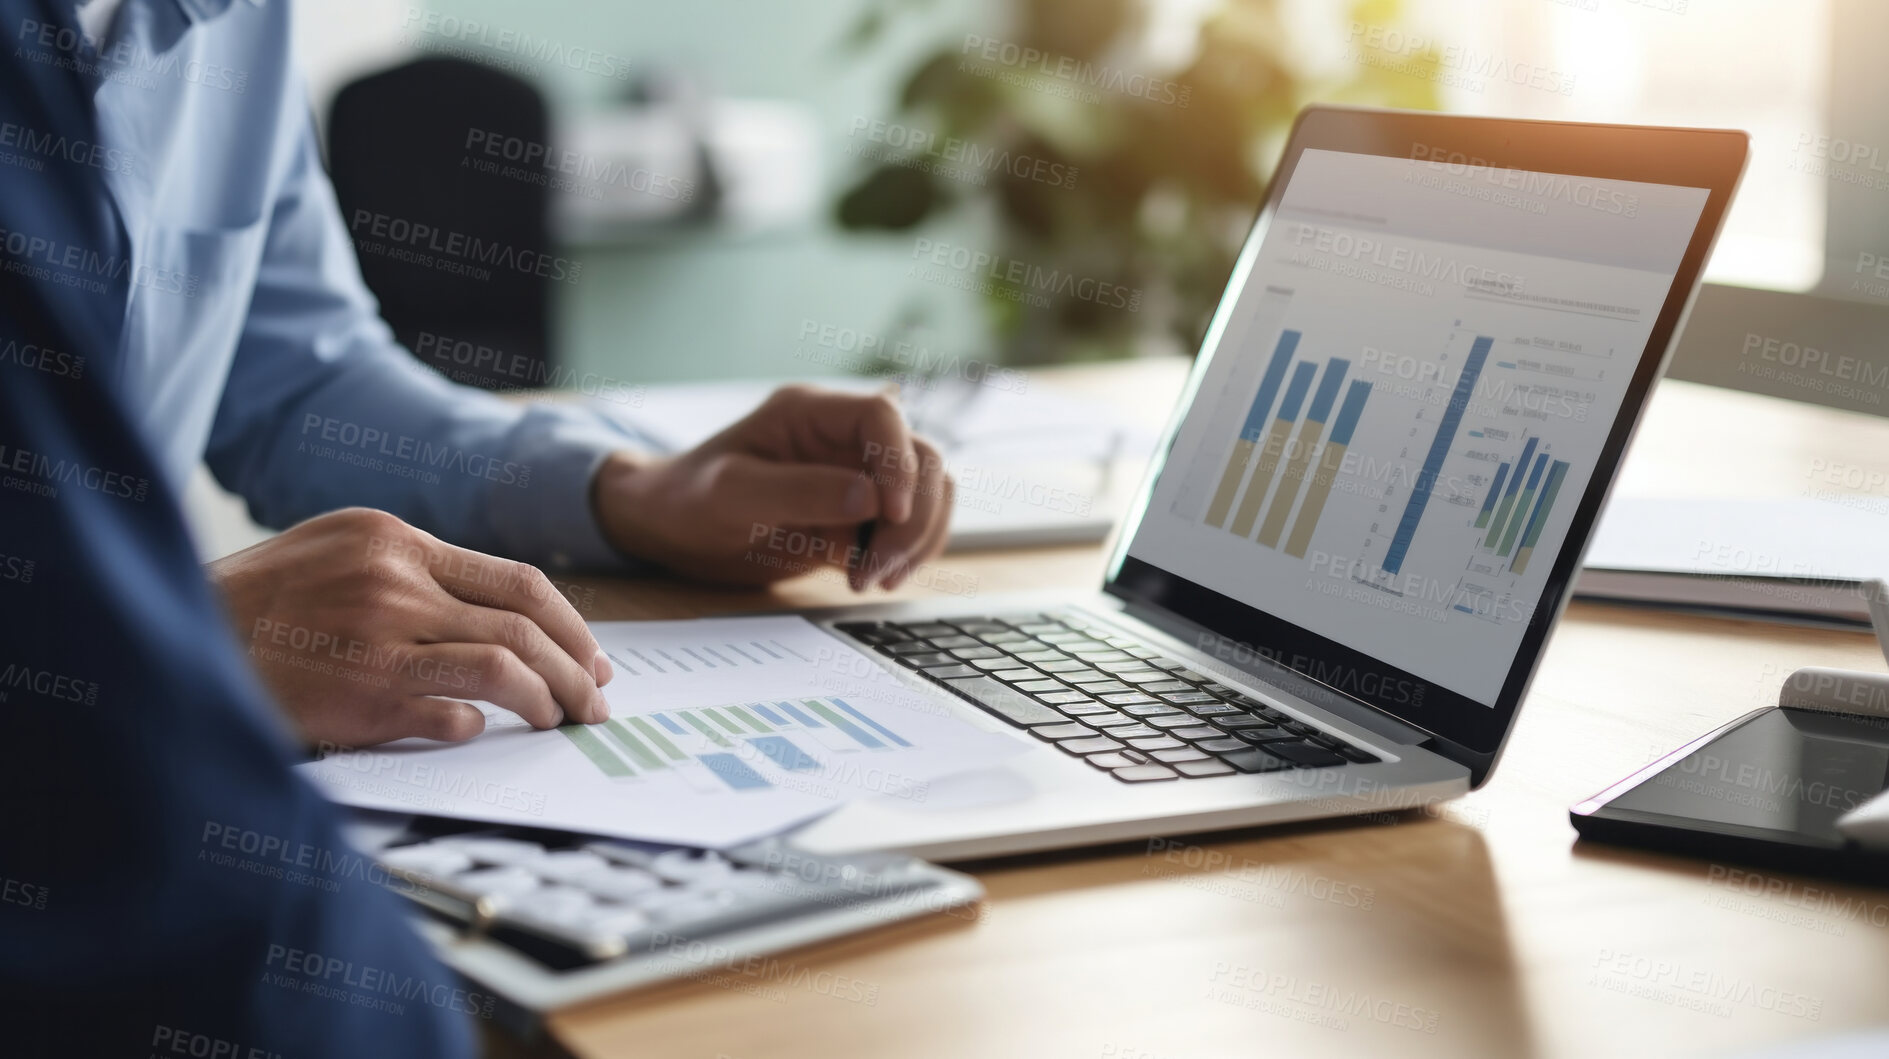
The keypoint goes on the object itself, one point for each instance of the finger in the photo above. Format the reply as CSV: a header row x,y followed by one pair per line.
x,y
871,432
505,584
519,667
929,548
444,720
896,544
767,493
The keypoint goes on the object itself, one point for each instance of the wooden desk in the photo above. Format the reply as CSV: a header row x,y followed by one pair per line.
x,y
1480,931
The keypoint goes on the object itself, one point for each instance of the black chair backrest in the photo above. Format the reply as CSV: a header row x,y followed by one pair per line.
x,y
469,292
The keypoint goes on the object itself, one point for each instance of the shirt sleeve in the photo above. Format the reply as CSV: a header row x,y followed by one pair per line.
x,y
324,409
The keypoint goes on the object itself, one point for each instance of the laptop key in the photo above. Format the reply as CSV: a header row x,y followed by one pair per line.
x,y
1093,745
1174,757
1264,735
934,658
1145,773
1106,687
1062,698
999,698
1112,720
1158,742
1195,733
1149,709
1122,698
1000,665
1119,759
1255,761
1014,675
930,629
1305,755
1133,731
1038,657
1174,722
1091,709
1211,709
909,647
1065,665
973,654
1243,720
1042,685
1057,732
949,642
1221,746
1166,685
950,672
1000,639
1208,767
1357,754
1186,697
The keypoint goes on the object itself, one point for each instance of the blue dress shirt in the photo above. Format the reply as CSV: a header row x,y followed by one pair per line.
x,y
246,337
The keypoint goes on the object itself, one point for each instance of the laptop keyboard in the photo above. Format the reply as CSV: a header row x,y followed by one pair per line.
x,y
1104,697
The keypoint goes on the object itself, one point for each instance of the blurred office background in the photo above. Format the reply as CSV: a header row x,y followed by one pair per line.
x,y
1162,190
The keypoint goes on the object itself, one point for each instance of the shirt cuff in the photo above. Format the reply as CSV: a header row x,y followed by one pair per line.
x,y
549,522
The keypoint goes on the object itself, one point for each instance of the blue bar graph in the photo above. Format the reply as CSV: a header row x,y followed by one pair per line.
x,y
1295,392
668,722
897,740
784,753
1349,412
767,713
733,771
1327,394
1488,503
794,712
1269,386
1439,449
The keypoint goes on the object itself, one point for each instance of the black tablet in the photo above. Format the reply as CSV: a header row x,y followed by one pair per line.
x,y
1766,789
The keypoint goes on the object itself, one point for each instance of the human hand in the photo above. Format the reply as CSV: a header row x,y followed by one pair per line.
x,y
367,629
783,491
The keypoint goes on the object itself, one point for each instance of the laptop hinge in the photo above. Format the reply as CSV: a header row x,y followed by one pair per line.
x,y
1233,654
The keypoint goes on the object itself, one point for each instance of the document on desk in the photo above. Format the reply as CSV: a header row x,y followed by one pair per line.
x,y
722,731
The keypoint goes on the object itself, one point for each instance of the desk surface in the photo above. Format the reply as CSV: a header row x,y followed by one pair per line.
x,y
1480,930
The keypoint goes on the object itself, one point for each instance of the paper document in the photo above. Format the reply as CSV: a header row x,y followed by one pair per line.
x,y
722,731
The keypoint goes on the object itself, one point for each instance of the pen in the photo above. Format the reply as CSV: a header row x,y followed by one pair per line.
x,y
862,540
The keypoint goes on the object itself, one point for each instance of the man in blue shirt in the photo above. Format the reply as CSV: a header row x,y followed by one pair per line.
x,y
176,286
239,333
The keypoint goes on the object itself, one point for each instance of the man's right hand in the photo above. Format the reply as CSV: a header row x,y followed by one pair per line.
x,y
367,630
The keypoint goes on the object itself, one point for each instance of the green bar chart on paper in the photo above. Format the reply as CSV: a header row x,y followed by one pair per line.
x,y
735,747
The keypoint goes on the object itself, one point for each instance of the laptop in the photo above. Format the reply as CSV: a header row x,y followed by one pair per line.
x,y
1368,508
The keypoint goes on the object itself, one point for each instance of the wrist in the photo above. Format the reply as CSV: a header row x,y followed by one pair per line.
x,y
621,500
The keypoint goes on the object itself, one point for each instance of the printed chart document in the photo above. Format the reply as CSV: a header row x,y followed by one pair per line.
x,y
722,731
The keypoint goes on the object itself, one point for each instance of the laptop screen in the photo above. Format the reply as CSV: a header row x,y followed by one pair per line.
x,y
1406,401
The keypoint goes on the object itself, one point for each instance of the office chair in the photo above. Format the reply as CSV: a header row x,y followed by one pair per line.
x,y
399,157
